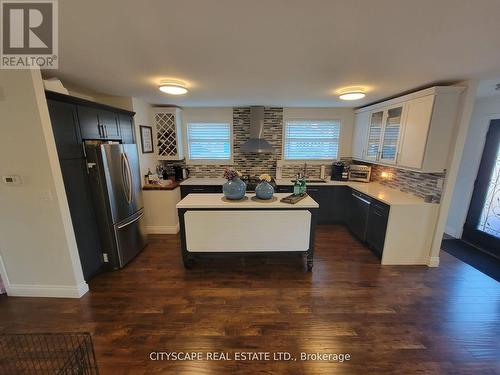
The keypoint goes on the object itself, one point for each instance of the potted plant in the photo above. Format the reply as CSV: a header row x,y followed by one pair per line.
x,y
234,188
264,189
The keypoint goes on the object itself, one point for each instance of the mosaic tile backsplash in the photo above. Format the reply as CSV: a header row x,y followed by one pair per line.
x,y
416,183
253,164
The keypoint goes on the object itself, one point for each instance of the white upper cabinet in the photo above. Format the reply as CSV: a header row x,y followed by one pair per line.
x,y
413,131
390,134
359,136
167,124
418,121
374,135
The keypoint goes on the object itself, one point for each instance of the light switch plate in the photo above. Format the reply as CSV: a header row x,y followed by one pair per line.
x,y
12,180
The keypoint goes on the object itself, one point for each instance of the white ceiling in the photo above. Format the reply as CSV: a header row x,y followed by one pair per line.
x,y
275,52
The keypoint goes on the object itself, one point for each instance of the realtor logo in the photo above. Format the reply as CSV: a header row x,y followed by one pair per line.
x,y
29,34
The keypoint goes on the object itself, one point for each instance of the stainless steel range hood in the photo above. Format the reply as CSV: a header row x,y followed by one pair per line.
x,y
256,143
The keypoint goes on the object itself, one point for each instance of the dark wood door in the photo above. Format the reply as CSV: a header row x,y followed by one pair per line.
x,y
482,226
126,128
377,226
109,124
89,123
82,215
64,121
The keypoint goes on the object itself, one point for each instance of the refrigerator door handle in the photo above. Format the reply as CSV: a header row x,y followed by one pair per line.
x,y
130,182
126,178
131,221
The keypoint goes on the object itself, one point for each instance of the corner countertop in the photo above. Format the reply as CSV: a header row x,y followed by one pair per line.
x,y
211,200
375,190
172,186
203,181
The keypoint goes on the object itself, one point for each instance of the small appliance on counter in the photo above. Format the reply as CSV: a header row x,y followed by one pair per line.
x,y
360,173
338,172
181,173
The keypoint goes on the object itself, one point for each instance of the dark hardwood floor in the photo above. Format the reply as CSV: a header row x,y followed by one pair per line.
x,y
391,320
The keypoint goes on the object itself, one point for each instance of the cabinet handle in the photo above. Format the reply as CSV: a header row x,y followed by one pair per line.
x,y
105,130
361,199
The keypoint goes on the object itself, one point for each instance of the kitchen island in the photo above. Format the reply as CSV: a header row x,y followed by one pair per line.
x,y
210,225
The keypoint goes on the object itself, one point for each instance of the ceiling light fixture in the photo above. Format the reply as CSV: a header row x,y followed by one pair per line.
x,y
173,88
352,95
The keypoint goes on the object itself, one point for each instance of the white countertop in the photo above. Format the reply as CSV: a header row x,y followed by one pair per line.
x,y
375,190
212,200
203,181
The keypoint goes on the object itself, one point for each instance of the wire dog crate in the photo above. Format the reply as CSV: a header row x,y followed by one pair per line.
x,y
47,353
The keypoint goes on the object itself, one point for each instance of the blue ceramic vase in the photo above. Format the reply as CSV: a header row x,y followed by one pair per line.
x,y
264,190
234,189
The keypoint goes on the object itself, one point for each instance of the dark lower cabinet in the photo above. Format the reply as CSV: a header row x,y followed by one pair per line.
x,y
358,212
331,199
188,189
377,226
83,216
284,189
126,128
64,118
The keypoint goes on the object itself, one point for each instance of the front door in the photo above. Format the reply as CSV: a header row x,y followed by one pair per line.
x,y
482,226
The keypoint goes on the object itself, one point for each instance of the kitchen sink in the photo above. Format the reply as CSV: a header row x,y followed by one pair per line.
x,y
313,181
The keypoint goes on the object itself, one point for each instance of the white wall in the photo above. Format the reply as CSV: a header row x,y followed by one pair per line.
x,y
345,115
485,109
203,114
143,117
38,251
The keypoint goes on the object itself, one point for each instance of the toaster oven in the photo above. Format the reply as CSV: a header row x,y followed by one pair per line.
x,y
361,173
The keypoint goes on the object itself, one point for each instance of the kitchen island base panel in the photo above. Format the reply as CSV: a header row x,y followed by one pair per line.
x,y
209,232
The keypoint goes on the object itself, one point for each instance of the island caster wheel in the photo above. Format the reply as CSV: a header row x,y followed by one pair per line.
x,y
309,266
188,263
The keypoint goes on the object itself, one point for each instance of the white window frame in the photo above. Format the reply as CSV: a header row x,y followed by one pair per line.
x,y
309,161
190,161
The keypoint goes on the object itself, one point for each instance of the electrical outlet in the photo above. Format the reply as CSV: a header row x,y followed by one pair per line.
x,y
439,183
105,257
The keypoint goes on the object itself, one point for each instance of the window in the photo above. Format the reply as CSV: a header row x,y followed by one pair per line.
x,y
308,139
209,141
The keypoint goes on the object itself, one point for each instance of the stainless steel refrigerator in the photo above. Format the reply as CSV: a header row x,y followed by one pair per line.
x,y
117,193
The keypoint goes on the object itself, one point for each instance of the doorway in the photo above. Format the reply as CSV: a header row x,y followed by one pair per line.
x,y
482,226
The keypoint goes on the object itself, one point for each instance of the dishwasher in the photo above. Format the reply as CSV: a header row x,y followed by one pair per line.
x,y
358,214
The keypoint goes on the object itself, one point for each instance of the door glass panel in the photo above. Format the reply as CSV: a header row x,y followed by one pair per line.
x,y
489,221
391,133
374,133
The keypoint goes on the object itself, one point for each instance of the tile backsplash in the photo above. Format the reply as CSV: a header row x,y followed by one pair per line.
x,y
252,164
419,184
416,183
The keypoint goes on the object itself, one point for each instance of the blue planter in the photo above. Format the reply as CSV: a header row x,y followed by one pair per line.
x,y
264,190
234,189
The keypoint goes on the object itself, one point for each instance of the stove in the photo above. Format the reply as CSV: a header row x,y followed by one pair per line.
x,y
253,181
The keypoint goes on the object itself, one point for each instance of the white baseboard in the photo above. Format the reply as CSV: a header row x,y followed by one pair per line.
x,y
55,291
433,262
452,232
166,229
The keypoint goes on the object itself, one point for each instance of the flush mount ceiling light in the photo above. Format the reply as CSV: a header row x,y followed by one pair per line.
x,y
173,88
352,95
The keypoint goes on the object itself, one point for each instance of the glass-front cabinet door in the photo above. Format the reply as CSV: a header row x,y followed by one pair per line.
x,y
391,135
374,134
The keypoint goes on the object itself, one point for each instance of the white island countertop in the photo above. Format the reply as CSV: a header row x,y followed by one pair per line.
x,y
211,200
